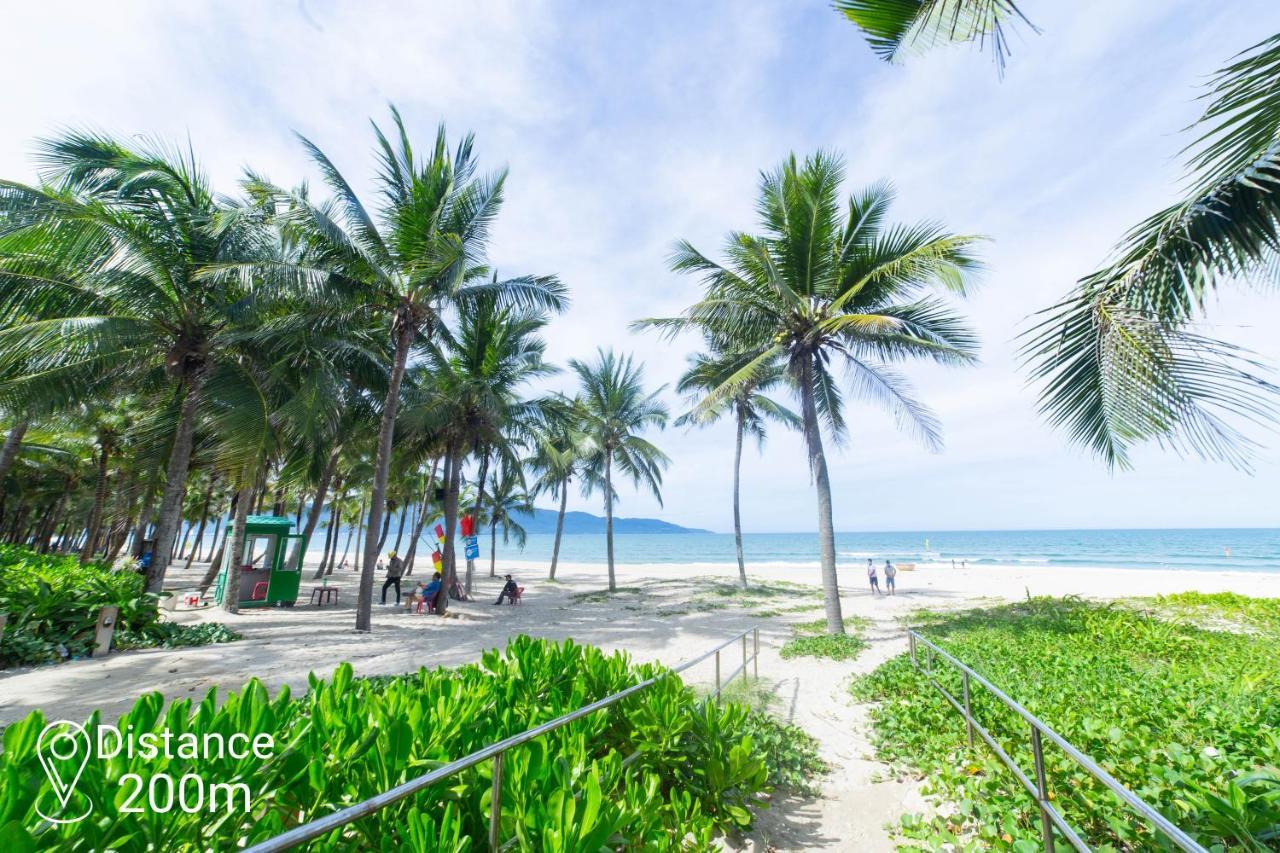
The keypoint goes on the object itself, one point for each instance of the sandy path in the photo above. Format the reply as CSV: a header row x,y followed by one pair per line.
x,y
669,614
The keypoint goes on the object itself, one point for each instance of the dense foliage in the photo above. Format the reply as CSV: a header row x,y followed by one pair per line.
x,y
52,604
664,769
810,641
1185,717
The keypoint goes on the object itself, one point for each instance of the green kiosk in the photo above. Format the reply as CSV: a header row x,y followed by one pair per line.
x,y
270,564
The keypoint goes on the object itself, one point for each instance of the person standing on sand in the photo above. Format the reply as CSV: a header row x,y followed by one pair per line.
x,y
890,572
872,577
395,570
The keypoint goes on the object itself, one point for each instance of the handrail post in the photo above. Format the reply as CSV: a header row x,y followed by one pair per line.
x,y
755,652
968,711
744,660
717,675
495,804
1042,787
911,641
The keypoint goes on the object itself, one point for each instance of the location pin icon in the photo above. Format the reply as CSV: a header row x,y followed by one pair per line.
x,y
63,750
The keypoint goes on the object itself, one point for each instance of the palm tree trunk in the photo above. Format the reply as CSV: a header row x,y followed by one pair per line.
x,y
422,518
317,506
144,515
453,472
564,502
381,470
204,518
400,526
493,546
330,537
351,529
231,596
12,442
217,528
608,515
215,561
475,511
175,482
99,499
737,511
386,526
822,482
360,528
337,531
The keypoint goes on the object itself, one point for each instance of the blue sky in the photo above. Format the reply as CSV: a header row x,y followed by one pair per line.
x,y
627,126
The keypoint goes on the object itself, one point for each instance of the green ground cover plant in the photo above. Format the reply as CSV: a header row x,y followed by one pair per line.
x,y
810,640
663,770
52,605
1187,718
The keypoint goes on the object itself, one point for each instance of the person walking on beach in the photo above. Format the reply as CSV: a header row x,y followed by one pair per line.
x,y
890,572
873,577
395,570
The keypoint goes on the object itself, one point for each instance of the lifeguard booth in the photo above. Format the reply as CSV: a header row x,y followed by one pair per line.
x,y
270,563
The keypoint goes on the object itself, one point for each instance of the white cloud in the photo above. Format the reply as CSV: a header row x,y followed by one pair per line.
x,y
627,127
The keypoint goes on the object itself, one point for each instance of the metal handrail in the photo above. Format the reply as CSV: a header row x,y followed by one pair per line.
x,y
342,817
1050,817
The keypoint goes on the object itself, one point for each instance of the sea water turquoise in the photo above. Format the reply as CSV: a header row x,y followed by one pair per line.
x,y
1212,549
1256,549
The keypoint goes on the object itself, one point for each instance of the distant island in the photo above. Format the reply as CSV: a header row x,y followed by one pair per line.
x,y
544,521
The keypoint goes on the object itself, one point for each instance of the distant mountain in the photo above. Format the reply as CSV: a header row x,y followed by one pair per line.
x,y
544,521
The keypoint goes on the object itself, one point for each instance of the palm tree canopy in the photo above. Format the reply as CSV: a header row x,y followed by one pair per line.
x,y
99,269
1119,357
423,252
748,403
827,283
895,27
614,411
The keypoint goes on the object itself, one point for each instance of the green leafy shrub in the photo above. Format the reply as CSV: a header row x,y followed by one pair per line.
x,y
812,641
1186,718
661,770
52,604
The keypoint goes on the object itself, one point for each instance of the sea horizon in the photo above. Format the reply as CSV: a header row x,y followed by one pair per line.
x,y
1178,548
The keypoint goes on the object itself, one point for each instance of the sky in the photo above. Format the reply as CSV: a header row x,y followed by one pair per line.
x,y
628,126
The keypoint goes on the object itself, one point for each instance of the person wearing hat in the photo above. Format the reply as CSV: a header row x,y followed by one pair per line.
x,y
395,570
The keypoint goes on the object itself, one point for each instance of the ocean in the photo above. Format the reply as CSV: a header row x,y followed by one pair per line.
x,y
1206,550
1255,549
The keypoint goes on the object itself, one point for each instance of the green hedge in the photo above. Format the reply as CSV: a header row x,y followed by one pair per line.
x,y
1187,718
662,770
52,604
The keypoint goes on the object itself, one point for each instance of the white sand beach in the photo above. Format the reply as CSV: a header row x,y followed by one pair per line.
x,y
669,613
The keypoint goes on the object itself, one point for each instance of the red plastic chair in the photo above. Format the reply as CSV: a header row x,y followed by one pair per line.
x,y
259,591
518,597
431,605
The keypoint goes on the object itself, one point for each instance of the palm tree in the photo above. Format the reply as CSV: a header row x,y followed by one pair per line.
x,y
423,255
99,287
614,411
819,288
895,27
560,450
1117,358
747,403
508,500
472,394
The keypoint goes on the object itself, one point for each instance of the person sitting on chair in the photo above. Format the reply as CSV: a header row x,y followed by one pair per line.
x,y
424,591
508,591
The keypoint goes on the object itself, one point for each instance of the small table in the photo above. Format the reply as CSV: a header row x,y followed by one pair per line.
x,y
326,595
